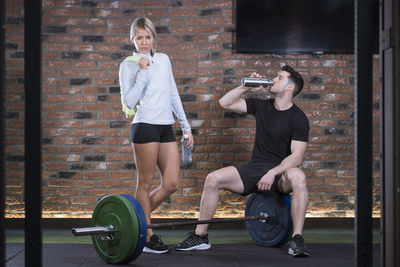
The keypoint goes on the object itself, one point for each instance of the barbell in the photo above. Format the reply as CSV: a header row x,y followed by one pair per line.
x,y
119,227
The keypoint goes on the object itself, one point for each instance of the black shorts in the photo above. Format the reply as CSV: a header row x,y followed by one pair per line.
x,y
252,172
142,133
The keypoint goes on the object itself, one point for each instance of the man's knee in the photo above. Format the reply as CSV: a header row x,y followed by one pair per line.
x,y
296,177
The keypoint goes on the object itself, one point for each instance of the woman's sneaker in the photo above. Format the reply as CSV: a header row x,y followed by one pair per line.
x,y
155,245
194,242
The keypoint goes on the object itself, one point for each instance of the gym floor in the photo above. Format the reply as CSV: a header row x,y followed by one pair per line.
x,y
233,247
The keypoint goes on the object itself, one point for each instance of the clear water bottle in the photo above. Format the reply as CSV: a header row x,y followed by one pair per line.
x,y
186,151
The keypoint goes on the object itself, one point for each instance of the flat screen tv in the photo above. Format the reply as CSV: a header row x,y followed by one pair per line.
x,y
298,26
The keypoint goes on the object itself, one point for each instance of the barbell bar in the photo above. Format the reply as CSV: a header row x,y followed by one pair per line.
x,y
111,229
119,228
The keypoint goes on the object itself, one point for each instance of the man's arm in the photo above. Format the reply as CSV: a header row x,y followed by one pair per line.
x,y
298,149
232,100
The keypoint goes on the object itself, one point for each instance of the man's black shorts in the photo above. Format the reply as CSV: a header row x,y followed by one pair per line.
x,y
142,133
252,172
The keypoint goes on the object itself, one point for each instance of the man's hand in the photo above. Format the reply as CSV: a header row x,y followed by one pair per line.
x,y
266,181
259,88
256,75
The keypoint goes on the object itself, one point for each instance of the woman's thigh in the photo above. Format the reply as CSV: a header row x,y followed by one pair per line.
x,y
146,159
168,161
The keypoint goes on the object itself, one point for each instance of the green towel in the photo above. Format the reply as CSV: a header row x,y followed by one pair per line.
x,y
130,112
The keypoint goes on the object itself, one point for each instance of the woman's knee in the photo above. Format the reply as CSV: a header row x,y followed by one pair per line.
x,y
171,186
144,183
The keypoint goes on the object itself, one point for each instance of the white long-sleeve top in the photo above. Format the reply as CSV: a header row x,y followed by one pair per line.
x,y
155,89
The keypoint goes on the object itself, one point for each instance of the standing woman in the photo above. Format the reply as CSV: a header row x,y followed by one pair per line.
x,y
150,84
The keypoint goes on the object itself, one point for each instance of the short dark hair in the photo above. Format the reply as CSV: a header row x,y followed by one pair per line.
x,y
295,78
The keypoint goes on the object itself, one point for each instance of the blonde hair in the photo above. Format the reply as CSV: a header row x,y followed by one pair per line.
x,y
142,23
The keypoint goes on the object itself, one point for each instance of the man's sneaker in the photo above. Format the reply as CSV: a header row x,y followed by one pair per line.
x,y
155,245
297,247
194,242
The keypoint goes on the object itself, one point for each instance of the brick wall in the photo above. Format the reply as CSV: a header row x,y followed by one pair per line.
x,y
86,151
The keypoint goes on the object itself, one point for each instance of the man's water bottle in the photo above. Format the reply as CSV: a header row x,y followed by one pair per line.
x,y
186,151
255,82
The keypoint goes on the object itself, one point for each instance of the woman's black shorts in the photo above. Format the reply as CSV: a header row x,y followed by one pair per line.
x,y
252,172
142,133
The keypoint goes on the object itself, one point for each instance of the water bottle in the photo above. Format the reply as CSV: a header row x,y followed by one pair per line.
x,y
186,151
255,82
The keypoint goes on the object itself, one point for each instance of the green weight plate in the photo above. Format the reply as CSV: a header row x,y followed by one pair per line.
x,y
117,211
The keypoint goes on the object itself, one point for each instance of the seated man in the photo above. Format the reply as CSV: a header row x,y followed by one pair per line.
x,y
280,142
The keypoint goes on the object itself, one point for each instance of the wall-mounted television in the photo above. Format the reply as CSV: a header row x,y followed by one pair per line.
x,y
298,26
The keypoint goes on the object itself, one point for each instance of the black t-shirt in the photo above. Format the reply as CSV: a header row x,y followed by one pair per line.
x,y
276,129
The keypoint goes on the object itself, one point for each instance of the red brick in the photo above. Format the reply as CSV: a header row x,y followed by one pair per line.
x,y
94,192
97,106
59,183
71,107
79,149
104,149
109,183
121,157
67,39
49,46
84,183
68,192
56,200
84,200
129,183
113,191
82,132
67,141
323,207
121,174
324,173
95,175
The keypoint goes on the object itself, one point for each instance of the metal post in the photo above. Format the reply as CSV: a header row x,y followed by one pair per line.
x,y
390,132
2,133
33,151
363,131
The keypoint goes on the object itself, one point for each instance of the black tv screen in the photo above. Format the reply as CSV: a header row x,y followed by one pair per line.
x,y
298,26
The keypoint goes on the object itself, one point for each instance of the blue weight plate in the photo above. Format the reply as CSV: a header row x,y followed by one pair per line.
x,y
142,226
274,231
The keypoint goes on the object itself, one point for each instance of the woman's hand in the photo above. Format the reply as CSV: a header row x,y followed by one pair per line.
x,y
190,143
143,63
